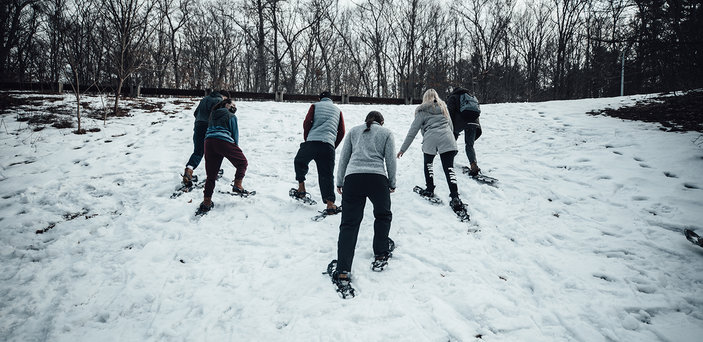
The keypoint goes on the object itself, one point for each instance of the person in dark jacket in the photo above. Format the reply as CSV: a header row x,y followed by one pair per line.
x,y
323,130
222,141
202,114
466,121
367,168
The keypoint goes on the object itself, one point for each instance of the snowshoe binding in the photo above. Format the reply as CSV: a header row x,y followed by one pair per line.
x,y
301,196
478,176
427,194
327,212
459,209
237,191
192,183
381,260
341,280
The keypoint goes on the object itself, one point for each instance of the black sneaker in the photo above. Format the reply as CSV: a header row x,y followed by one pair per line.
x,y
343,282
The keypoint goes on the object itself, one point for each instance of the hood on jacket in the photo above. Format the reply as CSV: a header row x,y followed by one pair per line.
x,y
431,108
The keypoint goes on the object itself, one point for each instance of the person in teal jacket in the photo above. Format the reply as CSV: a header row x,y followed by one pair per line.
x,y
202,115
222,141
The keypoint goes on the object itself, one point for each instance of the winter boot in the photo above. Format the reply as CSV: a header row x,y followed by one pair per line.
x,y
380,261
205,206
237,187
474,170
188,176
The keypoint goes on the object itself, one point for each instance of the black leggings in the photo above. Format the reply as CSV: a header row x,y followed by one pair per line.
x,y
448,166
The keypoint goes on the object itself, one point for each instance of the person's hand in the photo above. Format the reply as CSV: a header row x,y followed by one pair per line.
x,y
392,190
400,154
339,190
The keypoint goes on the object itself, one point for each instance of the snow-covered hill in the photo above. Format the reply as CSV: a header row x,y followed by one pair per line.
x,y
581,240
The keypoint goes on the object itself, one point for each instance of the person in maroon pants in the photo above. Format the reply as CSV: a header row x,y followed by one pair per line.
x,y
222,141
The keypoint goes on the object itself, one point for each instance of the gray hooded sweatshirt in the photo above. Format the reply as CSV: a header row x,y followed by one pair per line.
x,y
437,130
368,152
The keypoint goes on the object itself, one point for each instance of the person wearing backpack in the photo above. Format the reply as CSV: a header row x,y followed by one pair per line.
x,y
464,110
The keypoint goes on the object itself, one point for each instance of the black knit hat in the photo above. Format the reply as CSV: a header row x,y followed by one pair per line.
x,y
325,93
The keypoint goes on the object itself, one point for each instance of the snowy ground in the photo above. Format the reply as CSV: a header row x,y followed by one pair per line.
x,y
581,240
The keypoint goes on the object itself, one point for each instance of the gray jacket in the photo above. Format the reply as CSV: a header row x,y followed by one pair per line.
x,y
325,125
366,152
437,130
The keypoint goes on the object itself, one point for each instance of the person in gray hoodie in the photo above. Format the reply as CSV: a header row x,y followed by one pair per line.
x,y
432,119
361,174
202,114
323,130
222,141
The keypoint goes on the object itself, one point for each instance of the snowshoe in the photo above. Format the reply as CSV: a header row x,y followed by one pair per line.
x,y
343,284
478,176
301,196
204,209
459,209
193,184
693,237
428,195
236,191
187,186
327,212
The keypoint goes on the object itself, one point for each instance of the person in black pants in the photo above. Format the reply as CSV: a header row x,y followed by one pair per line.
x,y
323,130
361,175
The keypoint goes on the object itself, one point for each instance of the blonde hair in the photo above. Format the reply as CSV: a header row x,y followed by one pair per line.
x,y
431,96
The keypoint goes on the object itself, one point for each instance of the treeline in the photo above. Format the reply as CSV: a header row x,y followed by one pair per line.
x,y
504,50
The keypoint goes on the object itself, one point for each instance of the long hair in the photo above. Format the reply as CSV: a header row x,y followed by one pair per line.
x,y
432,97
371,117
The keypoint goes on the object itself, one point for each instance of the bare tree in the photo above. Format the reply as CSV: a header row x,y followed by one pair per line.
x,y
12,30
77,24
567,20
128,21
176,16
286,22
487,22
55,11
374,33
531,32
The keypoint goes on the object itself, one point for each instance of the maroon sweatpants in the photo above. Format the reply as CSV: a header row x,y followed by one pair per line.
x,y
215,151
